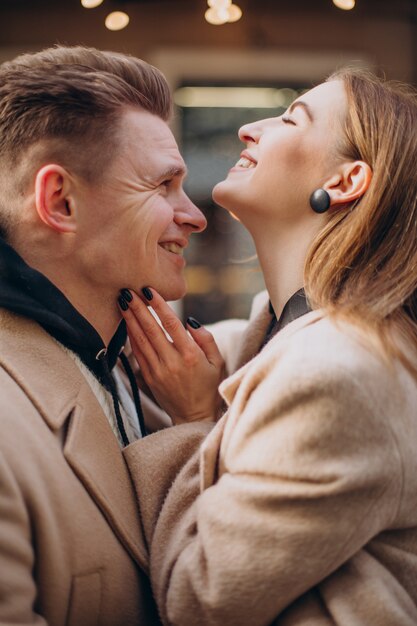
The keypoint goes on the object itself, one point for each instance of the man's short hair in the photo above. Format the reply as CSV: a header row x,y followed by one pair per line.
x,y
64,104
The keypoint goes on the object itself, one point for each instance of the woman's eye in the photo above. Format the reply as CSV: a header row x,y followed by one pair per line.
x,y
288,120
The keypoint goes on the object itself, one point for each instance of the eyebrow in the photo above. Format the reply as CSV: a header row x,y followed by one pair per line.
x,y
173,172
304,105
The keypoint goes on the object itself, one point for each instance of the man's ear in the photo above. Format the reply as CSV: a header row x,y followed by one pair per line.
x,y
52,198
350,183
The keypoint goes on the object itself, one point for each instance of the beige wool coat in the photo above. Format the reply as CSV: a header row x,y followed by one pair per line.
x,y
72,551
299,508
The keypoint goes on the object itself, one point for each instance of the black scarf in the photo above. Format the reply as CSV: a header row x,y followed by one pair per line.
x,y
27,292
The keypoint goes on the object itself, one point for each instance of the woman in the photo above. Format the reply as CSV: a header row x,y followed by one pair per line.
x,y
300,507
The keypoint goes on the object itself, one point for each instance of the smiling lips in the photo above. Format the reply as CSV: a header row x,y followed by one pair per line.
x,y
246,162
173,247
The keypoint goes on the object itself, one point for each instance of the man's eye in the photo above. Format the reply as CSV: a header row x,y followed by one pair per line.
x,y
166,183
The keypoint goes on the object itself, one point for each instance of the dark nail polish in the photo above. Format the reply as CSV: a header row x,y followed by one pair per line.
x,y
122,303
191,321
147,293
125,293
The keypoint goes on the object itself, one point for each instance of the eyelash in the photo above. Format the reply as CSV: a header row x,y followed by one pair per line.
x,y
287,120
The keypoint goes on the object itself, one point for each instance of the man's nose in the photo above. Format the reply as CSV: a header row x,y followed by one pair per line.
x,y
188,214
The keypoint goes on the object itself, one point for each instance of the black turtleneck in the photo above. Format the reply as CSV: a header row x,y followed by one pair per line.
x,y
27,292
296,306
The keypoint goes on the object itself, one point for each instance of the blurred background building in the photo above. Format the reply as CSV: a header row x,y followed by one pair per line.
x,y
224,75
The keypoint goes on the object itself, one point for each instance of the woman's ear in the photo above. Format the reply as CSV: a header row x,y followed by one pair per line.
x,y
52,198
350,183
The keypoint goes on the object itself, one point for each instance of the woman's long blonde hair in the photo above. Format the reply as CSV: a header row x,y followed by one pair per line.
x,y
363,265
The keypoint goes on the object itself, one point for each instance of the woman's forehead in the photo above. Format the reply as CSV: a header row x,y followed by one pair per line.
x,y
327,99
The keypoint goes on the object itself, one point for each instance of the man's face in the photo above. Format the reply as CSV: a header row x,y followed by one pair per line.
x,y
134,226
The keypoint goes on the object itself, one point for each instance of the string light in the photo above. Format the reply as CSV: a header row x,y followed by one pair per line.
x,y
215,17
235,13
346,5
222,12
117,20
91,4
219,4
218,12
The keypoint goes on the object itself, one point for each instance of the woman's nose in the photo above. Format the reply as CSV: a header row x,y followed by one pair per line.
x,y
251,132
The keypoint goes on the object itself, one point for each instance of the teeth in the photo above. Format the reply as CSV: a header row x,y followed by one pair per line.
x,y
243,162
172,247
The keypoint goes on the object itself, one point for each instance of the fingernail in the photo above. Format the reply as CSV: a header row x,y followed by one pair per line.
x,y
125,293
122,303
191,321
147,293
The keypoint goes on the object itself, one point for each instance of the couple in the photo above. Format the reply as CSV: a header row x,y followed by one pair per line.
x,y
288,498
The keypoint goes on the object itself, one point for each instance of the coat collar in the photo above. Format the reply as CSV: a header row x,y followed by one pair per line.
x,y
254,334
210,449
229,386
59,391
253,338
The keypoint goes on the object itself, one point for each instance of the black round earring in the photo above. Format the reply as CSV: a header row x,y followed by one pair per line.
x,y
320,201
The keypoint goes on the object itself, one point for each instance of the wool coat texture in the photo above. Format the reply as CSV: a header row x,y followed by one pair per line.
x,y
299,507
72,551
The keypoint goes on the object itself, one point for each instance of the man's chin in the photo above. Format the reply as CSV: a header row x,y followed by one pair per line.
x,y
173,292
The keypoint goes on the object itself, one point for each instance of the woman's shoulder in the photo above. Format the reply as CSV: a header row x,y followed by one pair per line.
x,y
328,348
321,377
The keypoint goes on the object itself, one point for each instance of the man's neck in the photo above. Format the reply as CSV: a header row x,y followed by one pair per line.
x,y
99,308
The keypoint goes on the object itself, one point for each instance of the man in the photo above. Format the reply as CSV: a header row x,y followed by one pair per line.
x,y
91,202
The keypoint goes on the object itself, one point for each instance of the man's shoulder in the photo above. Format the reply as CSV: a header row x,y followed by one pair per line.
x,y
16,406
16,330
36,375
26,347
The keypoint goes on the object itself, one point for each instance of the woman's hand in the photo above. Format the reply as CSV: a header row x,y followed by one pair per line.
x,y
183,374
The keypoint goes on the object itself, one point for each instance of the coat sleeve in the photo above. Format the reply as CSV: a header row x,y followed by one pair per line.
x,y
155,461
228,335
309,473
17,586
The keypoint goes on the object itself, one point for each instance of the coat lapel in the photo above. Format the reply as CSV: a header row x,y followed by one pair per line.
x,y
210,449
93,452
254,333
61,394
229,387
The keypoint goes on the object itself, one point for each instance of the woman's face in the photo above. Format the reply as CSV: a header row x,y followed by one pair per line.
x,y
286,158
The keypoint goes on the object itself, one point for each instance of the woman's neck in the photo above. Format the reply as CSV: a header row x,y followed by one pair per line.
x,y
282,254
